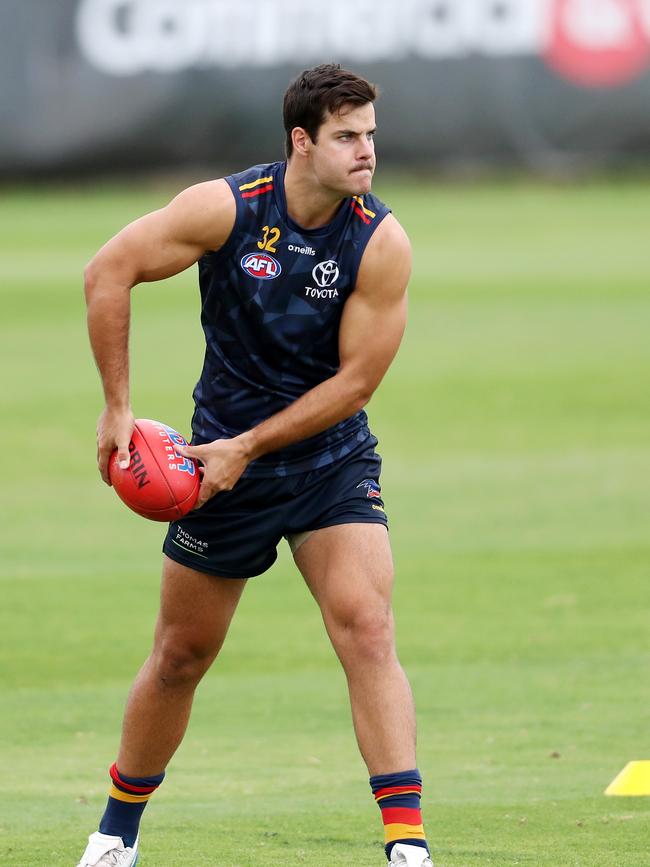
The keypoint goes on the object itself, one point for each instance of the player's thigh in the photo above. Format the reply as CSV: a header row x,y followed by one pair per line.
x,y
349,570
196,608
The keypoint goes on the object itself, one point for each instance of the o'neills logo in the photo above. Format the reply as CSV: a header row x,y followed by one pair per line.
x,y
593,43
599,43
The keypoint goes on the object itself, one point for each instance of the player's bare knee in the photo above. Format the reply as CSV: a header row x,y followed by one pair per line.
x,y
366,638
181,663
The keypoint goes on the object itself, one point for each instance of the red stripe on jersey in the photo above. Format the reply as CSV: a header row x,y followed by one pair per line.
x,y
258,192
138,790
360,213
396,790
403,815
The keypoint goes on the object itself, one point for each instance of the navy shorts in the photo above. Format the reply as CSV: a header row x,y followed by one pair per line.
x,y
236,533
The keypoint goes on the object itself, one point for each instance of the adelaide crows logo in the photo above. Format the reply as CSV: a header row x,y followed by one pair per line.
x,y
372,488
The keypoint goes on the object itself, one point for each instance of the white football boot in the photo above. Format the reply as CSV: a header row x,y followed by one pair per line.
x,y
404,855
106,851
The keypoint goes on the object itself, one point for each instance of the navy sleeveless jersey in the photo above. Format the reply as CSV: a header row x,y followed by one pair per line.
x,y
272,299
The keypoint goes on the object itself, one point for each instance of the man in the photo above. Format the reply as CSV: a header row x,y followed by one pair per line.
x,y
303,278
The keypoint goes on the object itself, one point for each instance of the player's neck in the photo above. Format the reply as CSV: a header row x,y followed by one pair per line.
x,y
308,203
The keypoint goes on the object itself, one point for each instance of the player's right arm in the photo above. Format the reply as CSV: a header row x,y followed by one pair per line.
x,y
158,245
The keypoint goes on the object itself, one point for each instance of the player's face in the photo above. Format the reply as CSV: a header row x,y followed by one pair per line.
x,y
343,156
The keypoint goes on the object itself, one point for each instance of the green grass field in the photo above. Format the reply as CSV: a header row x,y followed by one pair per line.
x,y
515,430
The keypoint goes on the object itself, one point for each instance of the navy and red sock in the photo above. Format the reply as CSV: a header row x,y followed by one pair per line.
x,y
126,802
398,796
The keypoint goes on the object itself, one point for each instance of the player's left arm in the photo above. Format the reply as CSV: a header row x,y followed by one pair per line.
x,y
371,329
374,318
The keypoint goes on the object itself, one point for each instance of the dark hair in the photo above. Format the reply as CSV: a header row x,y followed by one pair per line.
x,y
315,91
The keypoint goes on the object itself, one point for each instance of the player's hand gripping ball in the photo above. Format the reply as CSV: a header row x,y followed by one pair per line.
x,y
159,483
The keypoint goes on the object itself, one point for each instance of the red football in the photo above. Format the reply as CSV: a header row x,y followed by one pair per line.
x,y
159,483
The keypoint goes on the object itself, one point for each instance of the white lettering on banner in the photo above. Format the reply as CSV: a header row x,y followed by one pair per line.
x,y
126,37
453,28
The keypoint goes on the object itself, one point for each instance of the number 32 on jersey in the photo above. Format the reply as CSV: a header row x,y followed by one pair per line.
x,y
270,237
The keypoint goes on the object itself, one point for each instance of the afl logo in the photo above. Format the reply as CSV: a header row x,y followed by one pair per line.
x,y
325,273
261,266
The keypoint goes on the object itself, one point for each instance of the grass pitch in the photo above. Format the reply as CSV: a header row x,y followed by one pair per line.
x,y
515,433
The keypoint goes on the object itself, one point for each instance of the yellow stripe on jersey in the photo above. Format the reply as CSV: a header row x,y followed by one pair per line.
x,y
127,798
256,183
365,210
397,831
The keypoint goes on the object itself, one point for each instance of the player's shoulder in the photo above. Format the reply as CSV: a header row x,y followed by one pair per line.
x,y
251,181
386,263
389,239
368,212
201,200
381,224
203,213
210,211
259,170
373,205
219,191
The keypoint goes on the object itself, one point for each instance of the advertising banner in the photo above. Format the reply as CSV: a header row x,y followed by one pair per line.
x,y
114,84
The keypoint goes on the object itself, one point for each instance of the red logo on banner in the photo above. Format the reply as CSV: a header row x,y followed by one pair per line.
x,y
599,43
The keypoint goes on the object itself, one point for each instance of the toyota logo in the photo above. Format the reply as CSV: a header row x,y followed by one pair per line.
x,y
325,273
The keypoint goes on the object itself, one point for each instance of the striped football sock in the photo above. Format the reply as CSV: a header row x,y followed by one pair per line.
x,y
398,796
126,802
